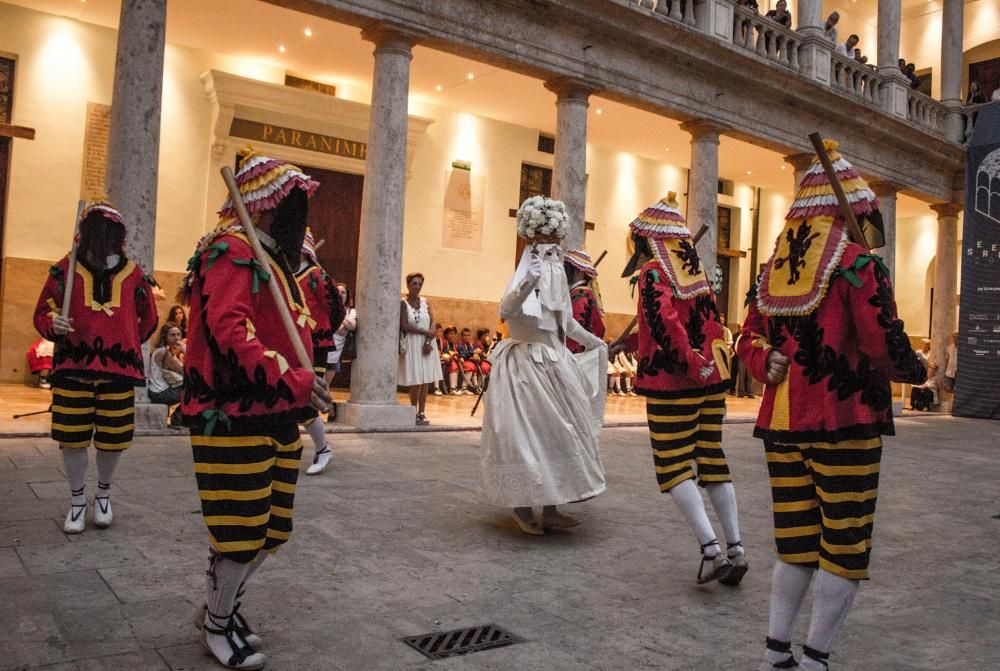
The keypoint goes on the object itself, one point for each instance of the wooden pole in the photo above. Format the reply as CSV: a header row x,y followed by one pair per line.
x,y
265,262
71,266
600,258
853,230
319,244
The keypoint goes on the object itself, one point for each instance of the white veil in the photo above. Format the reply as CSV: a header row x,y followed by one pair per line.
x,y
552,290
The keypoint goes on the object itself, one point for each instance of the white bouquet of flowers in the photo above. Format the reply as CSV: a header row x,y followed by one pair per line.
x,y
541,216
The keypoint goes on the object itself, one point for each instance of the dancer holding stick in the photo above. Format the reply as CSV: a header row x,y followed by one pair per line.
x,y
683,372
822,334
98,334
249,381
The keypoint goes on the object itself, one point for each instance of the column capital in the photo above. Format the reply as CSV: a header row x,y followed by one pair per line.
x,y
801,161
704,129
947,209
574,89
388,36
884,188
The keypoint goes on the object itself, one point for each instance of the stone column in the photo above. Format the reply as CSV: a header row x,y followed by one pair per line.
x,y
811,17
800,163
886,192
951,67
887,56
134,138
945,280
134,147
373,401
569,177
703,188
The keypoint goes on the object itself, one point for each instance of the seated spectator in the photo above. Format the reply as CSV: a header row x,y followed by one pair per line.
x,y
441,387
626,365
40,361
780,14
472,381
830,27
925,351
749,4
976,95
176,316
927,396
166,369
847,48
451,362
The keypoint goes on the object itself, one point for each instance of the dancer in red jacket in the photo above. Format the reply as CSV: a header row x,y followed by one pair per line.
x,y
581,274
683,372
245,392
98,355
823,334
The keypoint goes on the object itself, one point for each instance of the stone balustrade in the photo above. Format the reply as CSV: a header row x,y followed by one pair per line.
x,y
969,113
772,42
769,40
924,111
855,78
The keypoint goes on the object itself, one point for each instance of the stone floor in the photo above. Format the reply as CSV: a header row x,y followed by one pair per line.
x,y
393,541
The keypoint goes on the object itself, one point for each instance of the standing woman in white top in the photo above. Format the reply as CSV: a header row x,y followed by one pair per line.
x,y
350,324
419,364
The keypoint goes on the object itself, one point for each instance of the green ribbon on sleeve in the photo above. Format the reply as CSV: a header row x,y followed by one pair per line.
x,y
213,416
259,274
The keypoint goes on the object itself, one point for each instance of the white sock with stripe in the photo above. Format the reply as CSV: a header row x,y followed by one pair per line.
x,y
832,599
723,498
75,464
107,463
317,432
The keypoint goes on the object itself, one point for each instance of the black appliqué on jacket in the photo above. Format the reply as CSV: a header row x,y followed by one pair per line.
x,y
666,359
87,352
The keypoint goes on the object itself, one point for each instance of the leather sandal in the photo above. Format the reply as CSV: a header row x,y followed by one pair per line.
x,y
737,557
721,566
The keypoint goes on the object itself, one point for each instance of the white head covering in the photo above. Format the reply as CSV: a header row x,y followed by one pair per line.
x,y
552,290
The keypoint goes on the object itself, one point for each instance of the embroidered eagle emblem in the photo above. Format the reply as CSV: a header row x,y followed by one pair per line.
x,y
798,244
688,256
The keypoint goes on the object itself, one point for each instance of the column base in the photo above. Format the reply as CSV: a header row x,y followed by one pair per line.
x,y
150,416
372,417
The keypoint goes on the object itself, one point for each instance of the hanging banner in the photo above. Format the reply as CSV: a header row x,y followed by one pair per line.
x,y
977,385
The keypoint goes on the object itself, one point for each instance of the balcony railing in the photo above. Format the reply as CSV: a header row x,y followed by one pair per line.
x,y
969,114
771,41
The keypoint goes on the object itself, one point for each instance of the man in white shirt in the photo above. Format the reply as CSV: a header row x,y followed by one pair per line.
x,y
847,49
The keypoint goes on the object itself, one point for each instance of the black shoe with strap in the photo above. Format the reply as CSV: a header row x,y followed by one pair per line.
x,y
721,566
739,562
782,646
816,655
242,655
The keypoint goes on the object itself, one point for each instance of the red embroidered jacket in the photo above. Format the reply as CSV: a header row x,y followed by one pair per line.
x,y
326,311
240,363
842,357
672,331
587,314
113,313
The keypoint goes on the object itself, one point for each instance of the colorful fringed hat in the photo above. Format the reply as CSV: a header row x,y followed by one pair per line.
x,y
580,259
103,206
660,221
264,182
816,197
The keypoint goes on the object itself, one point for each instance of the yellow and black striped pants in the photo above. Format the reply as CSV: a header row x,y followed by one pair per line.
x,y
98,410
824,498
246,482
682,430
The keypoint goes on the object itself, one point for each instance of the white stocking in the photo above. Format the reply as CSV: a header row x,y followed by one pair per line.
x,y
453,381
317,432
688,499
107,462
832,599
723,498
789,584
75,465
468,378
225,577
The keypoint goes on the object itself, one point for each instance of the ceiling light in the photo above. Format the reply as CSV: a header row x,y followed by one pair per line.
x,y
749,172
783,166
599,111
281,48
439,88
470,76
667,149
308,32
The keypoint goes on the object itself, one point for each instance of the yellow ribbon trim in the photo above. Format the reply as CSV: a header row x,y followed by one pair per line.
x,y
305,317
251,330
282,361
720,352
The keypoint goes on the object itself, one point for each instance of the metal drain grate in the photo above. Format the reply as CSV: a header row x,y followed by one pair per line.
x,y
444,644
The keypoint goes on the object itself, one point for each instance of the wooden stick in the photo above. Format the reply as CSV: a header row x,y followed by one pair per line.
x,y
600,258
319,244
853,230
71,266
264,260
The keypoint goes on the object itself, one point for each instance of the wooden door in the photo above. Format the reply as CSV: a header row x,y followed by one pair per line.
x,y
335,216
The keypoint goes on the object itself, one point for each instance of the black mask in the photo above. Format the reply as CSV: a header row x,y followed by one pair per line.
x,y
641,251
100,237
289,226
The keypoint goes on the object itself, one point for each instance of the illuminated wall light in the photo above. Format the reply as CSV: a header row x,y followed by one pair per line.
x,y
749,172
308,32
470,76
599,111
783,166
281,48
439,88
667,149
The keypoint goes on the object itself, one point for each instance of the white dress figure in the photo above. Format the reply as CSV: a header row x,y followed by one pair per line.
x,y
545,406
